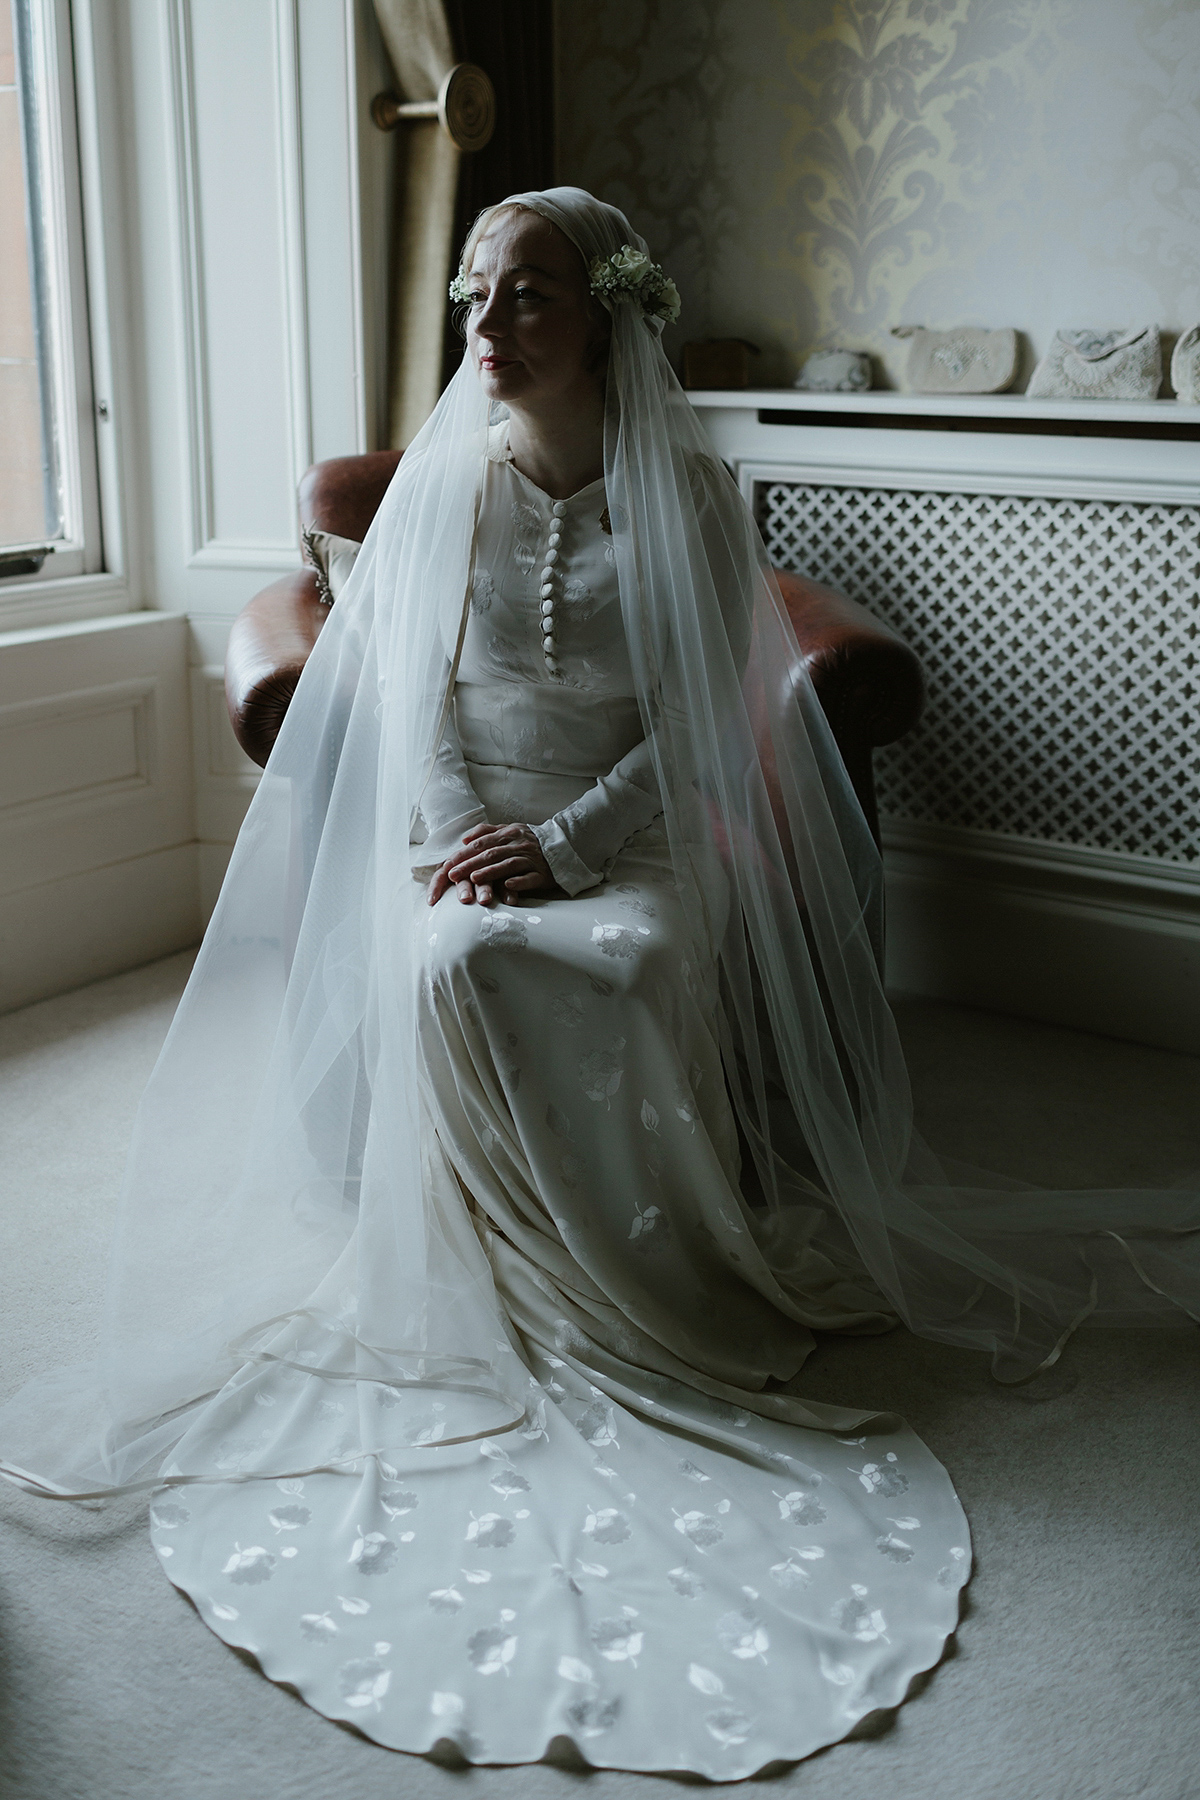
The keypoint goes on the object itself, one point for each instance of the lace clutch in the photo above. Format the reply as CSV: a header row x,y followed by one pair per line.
x,y
1185,367
964,361
835,372
1099,365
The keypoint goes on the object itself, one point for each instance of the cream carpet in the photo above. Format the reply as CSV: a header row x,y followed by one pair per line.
x,y
1076,1671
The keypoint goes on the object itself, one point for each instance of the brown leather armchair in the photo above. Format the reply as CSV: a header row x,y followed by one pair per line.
x,y
867,679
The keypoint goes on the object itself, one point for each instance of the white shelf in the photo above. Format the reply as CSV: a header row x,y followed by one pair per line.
x,y
1145,450
947,406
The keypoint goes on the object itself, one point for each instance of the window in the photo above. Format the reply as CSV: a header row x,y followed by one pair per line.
x,y
49,507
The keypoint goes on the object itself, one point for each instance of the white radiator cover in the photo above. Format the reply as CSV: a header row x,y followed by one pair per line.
x,y
1042,824
1061,646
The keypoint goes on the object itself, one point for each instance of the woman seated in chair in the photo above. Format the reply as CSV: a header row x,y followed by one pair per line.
x,y
534,1099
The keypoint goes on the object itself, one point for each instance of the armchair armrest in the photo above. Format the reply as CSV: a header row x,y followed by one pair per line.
x,y
867,679
343,493
274,633
269,644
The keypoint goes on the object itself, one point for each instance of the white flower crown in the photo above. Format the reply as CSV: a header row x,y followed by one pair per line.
x,y
627,274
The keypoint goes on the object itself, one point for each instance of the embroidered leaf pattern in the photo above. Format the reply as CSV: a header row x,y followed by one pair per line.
x,y
704,1680
491,1649
799,1508
364,1682
318,1628
558,1121
373,1553
250,1566
491,1531
591,1718
289,1518
607,1525
567,1009
598,1425
600,1073
729,1725
743,1636
445,1600
699,1528
861,1620
686,1583
616,1640
883,1478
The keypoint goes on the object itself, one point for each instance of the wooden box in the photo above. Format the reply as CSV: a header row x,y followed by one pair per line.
x,y
718,363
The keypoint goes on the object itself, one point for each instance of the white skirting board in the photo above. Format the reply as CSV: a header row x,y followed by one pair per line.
x,y
1099,943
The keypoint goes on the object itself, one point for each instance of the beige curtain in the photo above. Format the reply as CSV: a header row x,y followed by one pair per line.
x,y
418,41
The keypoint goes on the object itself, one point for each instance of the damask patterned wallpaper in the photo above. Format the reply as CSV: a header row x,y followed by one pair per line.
x,y
813,172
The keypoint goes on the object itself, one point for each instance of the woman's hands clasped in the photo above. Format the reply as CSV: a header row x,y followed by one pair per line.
x,y
497,862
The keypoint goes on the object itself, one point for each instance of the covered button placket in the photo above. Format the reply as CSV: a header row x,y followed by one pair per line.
x,y
551,588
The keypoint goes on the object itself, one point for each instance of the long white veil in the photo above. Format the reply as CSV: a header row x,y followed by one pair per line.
x,y
286,1198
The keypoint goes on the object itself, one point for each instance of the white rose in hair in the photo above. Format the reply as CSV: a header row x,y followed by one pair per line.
x,y
634,264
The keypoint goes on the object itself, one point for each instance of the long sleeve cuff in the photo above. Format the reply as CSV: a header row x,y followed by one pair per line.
x,y
569,870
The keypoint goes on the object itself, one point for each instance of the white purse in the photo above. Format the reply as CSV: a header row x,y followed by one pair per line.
x,y
967,360
835,372
1099,365
1185,367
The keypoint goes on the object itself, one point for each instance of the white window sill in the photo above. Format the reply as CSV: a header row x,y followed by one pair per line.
x,y
34,604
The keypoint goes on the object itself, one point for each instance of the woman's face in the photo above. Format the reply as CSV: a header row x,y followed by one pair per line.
x,y
532,332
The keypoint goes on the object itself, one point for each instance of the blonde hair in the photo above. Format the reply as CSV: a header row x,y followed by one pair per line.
x,y
483,220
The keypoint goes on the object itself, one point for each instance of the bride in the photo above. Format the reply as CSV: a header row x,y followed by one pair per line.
x,y
534,1099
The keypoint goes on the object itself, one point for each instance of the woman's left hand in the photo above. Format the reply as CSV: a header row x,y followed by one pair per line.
x,y
496,862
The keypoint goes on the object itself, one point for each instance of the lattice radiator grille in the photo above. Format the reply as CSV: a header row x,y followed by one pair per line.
x,y
1061,644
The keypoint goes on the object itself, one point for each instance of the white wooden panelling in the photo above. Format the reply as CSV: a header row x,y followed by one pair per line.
x,y
70,750
95,719
67,932
237,147
329,113
97,827
225,776
266,227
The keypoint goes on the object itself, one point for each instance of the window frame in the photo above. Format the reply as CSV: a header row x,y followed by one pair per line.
x,y
84,574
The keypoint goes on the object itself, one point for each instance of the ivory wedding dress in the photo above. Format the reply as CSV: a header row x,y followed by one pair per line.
x,y
663,1563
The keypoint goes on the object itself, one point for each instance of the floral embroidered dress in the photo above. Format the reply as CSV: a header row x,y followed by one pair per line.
x,y
675,1562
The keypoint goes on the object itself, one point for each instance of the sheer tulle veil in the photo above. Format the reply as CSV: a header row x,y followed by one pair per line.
x,y
285,1197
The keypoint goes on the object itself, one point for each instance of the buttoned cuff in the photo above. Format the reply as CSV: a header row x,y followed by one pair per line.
x,y
569,870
